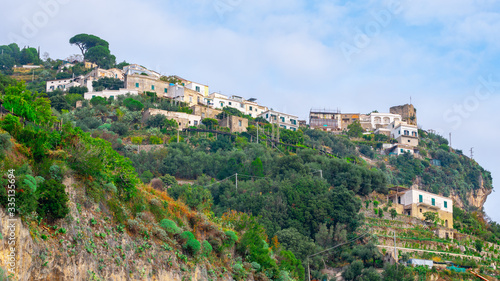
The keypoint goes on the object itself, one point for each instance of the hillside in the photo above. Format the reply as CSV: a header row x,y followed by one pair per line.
x,y
102,195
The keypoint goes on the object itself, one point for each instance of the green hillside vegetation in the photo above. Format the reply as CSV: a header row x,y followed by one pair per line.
x,y
251,210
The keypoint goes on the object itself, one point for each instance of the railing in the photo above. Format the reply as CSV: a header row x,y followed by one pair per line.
x,y
429,203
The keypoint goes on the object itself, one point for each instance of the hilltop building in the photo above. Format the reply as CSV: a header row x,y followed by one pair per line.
x,y
205,111
324,119
184,120
285,121
197,87
248,107
234,123
415,202
407,112
376,120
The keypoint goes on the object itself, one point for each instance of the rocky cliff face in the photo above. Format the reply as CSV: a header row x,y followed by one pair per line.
x,y
475,198
92,248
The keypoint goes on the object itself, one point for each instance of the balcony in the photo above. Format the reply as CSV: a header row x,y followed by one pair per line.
x,y
428,204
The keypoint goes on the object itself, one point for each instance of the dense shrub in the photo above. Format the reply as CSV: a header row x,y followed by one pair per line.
x,y
207,248
53,200
170,226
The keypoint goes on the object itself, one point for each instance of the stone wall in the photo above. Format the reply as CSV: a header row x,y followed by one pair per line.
x,y
407,112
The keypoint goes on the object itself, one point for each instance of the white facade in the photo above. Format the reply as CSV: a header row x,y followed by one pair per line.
x,y
415,196
137,69
61,84
379,120
185,120
285,121
399,129
200,88
110,93
247,107
401,149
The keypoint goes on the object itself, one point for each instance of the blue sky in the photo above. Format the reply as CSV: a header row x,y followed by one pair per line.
x,y
295,55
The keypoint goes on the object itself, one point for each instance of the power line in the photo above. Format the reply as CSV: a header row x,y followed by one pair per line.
x,y
336,246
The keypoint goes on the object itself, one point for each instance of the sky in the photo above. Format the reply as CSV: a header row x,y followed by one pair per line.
x,y
294,55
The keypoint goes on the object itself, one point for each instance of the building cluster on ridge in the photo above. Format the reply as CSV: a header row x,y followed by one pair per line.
x,y
399,124
138,80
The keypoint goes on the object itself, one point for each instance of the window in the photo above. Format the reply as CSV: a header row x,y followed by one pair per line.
x,y
202,115
402,150
197,89
221,104
446,204
165,90
420,210
433,202
282,119
111,97
152,87
195,122
137,85
190,99
242,105
93,96
399,199
267,115
294,122
251,108
420,198
239,123
294,129
229,103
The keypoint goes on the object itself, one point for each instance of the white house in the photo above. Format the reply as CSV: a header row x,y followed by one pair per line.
x,y
198,87
415,202
62,84
379,120
137,69
404,133
285,121
184,120
247,107
110,93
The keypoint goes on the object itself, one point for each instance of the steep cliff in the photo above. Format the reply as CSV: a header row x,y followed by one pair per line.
x,y
87,245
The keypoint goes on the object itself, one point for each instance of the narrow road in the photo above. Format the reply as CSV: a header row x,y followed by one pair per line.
x,y
427,251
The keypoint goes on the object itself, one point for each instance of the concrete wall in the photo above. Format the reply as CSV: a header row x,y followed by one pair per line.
x,y
411,141
109,93
235,124
183,119
143,83
205,112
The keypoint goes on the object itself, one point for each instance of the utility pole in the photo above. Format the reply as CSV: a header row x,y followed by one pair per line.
x,y
395,251
450,140
257,132
236,181
321,173
177,136
472,153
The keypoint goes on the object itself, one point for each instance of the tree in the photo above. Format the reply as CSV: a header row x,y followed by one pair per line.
x,y
101,56
53,200
171,124
78,90
394,213
210,122
86,41
431,217
98,100
63,75
122,64
132,104
256,168
156,121
29,55
355,130
108,83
